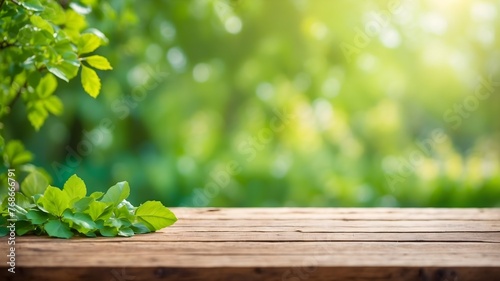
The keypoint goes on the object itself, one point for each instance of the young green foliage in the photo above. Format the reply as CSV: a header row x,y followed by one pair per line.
x,y
40,41
43,209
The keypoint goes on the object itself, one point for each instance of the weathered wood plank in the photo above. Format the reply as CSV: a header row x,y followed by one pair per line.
x,y
407,214
279,244
262,254
343,225
171,234
330,229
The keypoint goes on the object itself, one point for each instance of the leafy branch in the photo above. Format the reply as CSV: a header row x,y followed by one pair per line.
x,y
50,37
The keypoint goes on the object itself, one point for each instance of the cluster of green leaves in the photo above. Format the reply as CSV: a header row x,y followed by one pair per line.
x,y
43,209
39,41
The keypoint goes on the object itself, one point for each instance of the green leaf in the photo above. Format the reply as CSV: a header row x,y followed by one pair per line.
x,y
37,217
154,214
90,234
20,212
74,24
63,70
53,104
33,5
90,81
96,209
126,232
108,231
81,219
88,42
54,200
57,228
39,22
117,193
37,114
75,188
58,71
34,183
23,201
53,12
15,154
124,213
66,66
83,204
98,62
114,222
140,228
96,195
23,227
46,86
98,33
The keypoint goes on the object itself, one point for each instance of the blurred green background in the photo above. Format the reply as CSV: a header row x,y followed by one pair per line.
x,y
286,103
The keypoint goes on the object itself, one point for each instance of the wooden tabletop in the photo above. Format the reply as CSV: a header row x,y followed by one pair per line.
x,y
295,244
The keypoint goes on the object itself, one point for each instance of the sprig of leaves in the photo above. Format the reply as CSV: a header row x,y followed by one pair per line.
x,y
40,41
43,209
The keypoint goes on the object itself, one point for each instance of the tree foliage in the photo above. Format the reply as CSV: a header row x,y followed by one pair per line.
x,y
44,43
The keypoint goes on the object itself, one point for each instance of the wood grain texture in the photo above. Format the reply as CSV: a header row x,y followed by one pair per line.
x,y
296,244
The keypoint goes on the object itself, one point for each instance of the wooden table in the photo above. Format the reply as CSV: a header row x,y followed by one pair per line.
x,y
286,244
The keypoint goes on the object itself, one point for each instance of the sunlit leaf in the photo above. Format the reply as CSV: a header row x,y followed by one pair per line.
x,y
46,86
154,214
41,23
34,183
117,193
75,188
90,81
98,62
88,42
